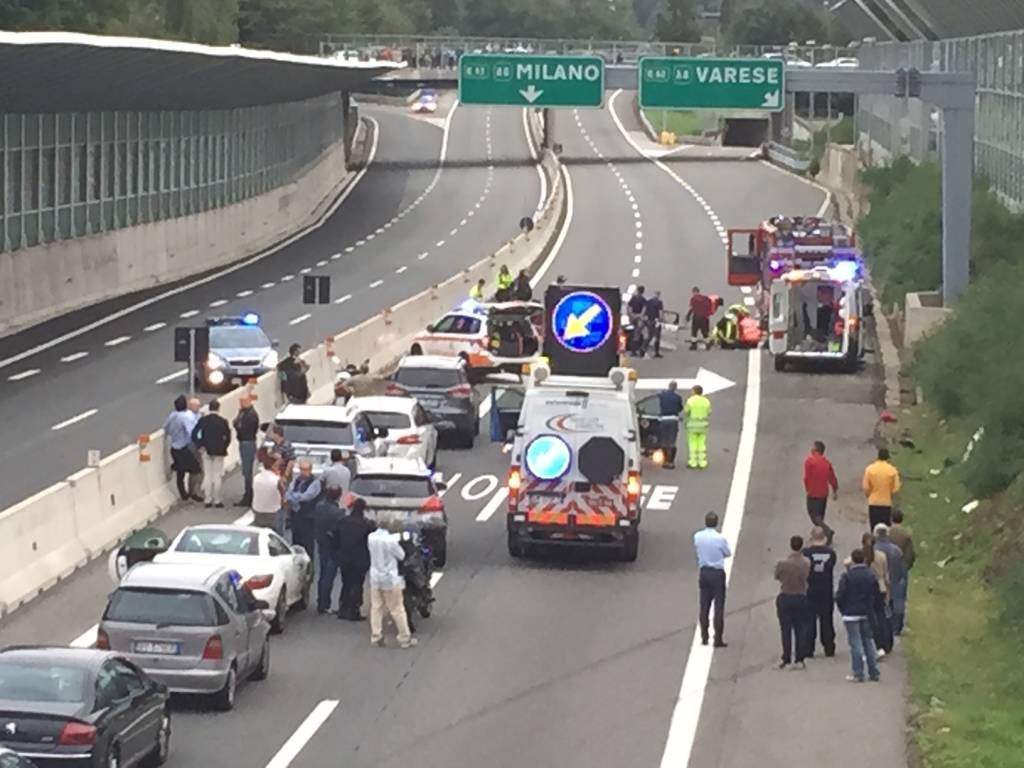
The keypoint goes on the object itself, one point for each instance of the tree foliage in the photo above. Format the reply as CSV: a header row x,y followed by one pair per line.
x,y
773,22
677,22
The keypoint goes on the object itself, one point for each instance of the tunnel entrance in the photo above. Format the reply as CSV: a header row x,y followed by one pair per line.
x,y
745,132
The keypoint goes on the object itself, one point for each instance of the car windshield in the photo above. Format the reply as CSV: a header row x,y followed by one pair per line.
x,y
171,607
389,420
317,432
429,378
218,541
237,337
42,682
393,486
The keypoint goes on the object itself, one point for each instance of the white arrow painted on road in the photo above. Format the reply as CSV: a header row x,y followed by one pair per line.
x,y
710,381
772,100
531,94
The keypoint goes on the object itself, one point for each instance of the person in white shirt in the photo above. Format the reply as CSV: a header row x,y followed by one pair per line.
x,y
266,495
387,586
712,549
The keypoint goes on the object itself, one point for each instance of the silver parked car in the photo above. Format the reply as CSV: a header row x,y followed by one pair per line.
x,y
192,627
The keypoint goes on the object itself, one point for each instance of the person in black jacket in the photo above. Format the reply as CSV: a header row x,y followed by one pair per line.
x,y
247,427
212,434
354,555
292,372
819,592
326,517
857,594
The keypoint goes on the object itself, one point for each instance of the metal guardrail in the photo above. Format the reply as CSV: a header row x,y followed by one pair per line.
x,y
787,157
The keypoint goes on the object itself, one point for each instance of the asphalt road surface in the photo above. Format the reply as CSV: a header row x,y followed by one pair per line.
x,y
577,661
402,228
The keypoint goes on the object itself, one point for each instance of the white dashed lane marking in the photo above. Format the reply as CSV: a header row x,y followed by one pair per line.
x,y
376,283
305,270
75,419
76,356
439,244
218,303
119,340
401,269
300,319
265,286
287,278
154,327
24,374
188,313
243,294
424,255
172,376
343,299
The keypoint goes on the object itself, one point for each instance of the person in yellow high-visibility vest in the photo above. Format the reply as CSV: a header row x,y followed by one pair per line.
x,y
698,414
504,283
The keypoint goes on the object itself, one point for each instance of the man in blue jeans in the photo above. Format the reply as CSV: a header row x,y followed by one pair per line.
x,y
326,517
856,596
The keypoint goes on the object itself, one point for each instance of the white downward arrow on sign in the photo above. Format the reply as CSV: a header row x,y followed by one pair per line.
x,y
531,94
710,381
772,100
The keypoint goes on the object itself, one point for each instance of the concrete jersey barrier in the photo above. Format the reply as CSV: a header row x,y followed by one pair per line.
x,y
48,536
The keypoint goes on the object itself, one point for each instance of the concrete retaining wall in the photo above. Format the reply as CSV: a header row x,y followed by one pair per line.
x,y
923,312
44,281
48,536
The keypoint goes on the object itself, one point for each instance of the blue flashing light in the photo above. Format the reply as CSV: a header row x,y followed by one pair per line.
x,y
548,457
250,318
775,265
846,270
471,307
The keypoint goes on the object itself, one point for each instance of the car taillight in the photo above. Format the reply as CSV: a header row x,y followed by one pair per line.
x,y
260,582
622,342
462,390
778,334
433,504
515,482
395,389
102,640
77,735
214,650
408,440
633,490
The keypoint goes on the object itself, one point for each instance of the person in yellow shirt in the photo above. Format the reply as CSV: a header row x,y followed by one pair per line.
x,y
477,291
698,414
881,484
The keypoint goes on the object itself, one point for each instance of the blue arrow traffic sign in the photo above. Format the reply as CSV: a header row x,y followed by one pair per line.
x,y
582,321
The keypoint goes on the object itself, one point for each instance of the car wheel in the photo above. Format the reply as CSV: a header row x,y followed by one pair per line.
x,y
224,699
515,547
280,612
780,363
630,547
162,748
261,672
476,427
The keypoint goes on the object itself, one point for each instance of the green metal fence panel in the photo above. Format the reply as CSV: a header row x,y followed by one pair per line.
x,y
69,175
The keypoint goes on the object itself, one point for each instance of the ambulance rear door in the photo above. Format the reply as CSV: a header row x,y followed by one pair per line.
x,y
779,318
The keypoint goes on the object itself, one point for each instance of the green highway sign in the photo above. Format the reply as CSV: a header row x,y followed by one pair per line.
x,y
539,81
680,83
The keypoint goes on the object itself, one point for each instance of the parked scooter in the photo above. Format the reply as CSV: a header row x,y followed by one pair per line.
x,y
417,569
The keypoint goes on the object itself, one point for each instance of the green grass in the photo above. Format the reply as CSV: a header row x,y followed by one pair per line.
x,y
679,123
966,606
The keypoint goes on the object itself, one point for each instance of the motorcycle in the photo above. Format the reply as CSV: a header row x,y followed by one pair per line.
x,y
417,569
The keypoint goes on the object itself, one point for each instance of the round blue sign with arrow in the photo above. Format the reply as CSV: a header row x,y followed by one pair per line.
x,y
582,321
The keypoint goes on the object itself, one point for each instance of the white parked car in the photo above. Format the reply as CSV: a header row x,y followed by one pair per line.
x,y
274,571
411,433
843,62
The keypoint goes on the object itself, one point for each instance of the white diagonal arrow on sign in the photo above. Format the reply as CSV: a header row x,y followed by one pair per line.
x,y
531,94
772,100
709,380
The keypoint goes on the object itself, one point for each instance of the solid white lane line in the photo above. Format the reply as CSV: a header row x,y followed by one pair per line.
x,y
116,342
265,286
75,356
75,419
173,376
401,269
154,327
188,313
376,283
343,299
306,731
300,319
492,506
686,715
218,303
24,374
243,294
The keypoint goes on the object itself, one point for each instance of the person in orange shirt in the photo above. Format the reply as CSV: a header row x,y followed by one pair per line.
x,y
881,483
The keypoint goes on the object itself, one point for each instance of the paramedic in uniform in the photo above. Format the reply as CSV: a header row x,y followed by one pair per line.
x,y
698,413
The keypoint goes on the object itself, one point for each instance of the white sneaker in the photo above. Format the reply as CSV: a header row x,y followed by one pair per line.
x,y
879,655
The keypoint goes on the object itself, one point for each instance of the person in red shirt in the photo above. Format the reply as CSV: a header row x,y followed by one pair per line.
x,y
699,315
819,477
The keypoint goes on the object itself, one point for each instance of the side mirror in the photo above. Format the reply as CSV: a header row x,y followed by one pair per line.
x,y
430,328
260,605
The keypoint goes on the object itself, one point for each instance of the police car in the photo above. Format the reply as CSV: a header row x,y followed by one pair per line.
x,y
489,337
574,479
238,350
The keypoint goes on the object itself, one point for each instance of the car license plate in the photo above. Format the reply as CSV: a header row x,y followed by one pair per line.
x,y
157,649
543,499
244,371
